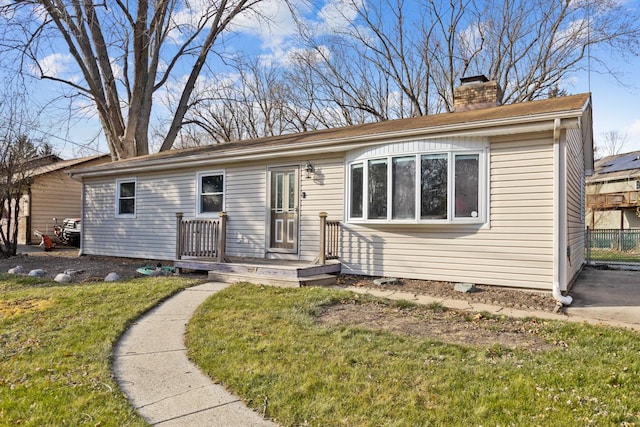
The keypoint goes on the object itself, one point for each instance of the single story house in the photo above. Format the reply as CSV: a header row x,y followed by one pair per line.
x,y
489,194
51,194
613,192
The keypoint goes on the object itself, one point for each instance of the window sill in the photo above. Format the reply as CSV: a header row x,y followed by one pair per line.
x,y
473,221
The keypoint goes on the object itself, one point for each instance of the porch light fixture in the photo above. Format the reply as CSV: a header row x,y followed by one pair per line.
x,y
309,169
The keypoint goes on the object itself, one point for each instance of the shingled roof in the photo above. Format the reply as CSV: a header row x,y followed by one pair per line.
x,y
544,110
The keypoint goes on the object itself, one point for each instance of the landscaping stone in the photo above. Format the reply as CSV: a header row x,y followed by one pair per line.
x,y
73,272
16,270
62,278
38,272
112,277
386,281
465,287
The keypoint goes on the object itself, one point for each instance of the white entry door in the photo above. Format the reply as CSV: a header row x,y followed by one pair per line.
x,y
283,217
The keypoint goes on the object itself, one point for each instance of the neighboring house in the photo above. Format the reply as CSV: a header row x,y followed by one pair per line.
x,y
492,195
613,190
52,194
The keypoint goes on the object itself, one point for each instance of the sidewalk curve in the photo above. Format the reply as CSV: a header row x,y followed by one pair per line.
x,y
152,369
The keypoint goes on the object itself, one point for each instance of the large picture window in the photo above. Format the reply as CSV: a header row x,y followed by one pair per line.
x,y
210,193
426,187
126,197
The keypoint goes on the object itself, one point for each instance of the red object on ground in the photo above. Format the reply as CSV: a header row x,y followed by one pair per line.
x,y
47,242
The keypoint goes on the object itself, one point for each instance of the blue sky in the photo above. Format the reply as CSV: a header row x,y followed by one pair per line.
x,y
615,106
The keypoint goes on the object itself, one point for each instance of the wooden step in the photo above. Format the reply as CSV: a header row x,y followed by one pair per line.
x,y
280,281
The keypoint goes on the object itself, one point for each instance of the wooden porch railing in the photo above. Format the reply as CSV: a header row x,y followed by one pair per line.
x,y
329,239
201,238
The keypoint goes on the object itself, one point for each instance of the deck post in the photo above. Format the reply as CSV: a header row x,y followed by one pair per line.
x,y
179,216
222,243
323,242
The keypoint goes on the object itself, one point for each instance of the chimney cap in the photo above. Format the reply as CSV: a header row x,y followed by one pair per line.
x,y
481,78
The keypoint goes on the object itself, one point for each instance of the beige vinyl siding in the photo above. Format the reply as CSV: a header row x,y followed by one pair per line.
x,y
245,203
575,203
151,234
53,195
514,249
324,193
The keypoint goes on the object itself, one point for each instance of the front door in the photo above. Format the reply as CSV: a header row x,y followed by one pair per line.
x,y
283,236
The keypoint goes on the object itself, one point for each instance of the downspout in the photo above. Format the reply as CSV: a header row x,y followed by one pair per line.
x,y
82,222
559,218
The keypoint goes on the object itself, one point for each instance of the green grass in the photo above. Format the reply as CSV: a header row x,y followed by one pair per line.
x,y
56,344
264,344
614,256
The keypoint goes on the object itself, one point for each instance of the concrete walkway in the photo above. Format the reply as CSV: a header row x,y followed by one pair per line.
x,y
152,368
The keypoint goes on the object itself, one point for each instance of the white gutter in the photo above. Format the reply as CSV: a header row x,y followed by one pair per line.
x,y
560,213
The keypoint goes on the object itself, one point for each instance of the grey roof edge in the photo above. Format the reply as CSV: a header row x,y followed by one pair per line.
x,y
64,164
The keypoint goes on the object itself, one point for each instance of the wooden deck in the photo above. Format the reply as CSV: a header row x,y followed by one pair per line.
x,y
275,272
622,199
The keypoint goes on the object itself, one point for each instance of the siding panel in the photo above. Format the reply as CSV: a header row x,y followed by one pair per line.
x,y
515,251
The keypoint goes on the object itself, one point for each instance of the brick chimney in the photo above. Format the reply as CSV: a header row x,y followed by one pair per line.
x,y
475,93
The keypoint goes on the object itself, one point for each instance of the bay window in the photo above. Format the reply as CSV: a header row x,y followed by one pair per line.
x,y
438,187
403,180
377,185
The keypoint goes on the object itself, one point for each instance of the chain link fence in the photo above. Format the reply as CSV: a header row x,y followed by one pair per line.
x,y
613,246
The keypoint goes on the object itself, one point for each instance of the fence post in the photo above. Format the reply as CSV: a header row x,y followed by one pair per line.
x,y
222,243
179,216
323,234
620,239
588,244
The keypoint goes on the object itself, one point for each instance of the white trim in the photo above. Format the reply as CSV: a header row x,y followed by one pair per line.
x,y
279,232
199,176
119,182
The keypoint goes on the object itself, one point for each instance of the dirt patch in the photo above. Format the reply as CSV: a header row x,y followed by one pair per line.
x,y
504,297
87,268
444,325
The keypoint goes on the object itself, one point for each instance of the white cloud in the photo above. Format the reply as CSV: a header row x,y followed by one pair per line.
x,y
338,14
271,21
55,64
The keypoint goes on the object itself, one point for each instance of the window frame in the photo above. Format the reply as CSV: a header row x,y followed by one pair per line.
x,y
118,197
199,193
451,154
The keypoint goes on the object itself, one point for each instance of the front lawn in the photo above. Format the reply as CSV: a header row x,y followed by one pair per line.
x,y
56,345
268,346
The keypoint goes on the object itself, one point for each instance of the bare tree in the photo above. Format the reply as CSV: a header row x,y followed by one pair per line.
x,y
397,59
611,143
124,53
15,157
